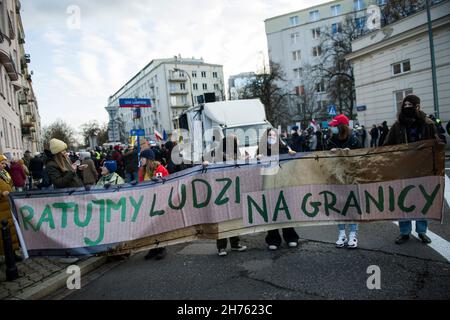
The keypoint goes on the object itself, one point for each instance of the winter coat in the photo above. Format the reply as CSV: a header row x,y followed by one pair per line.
x,y
60,179
130,160
352,142
112,179
36,167
6,184
400,131
18,176
90,174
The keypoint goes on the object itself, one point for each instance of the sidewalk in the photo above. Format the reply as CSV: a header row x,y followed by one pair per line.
x,y
40,277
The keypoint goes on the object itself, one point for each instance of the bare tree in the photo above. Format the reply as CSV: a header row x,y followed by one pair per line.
x,y
59,130
267,87
395,10
336,43
90,129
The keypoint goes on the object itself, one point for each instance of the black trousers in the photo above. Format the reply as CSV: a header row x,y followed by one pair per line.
x,y
222,243
289,235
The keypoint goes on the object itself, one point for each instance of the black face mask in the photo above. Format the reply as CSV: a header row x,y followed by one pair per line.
x,y
409,112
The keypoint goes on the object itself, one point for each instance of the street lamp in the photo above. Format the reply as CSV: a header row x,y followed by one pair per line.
x,y
190,80
433,61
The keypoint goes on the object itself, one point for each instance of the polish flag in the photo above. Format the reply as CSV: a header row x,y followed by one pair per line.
x,y
158,135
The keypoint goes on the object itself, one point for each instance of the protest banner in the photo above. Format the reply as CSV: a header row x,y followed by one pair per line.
x,y
387,183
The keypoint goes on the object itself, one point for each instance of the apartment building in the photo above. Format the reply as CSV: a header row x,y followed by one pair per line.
x,y
294,39
172,85
395,61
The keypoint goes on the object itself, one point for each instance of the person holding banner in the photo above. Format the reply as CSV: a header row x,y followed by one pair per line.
x,y
412,126
61,171
6,186
342,138
228,151
270,145
150,169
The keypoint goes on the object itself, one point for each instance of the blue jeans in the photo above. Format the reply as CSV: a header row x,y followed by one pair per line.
x,y
131,176
353,227
406,226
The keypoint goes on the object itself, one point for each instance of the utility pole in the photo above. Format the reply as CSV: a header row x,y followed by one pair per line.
x,y
433,61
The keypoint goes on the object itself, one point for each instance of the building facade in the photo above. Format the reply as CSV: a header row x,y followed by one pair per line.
x,y
19,127
294,41
173,85
395,61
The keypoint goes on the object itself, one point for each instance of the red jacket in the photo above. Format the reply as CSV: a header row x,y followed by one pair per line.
x,y
18,175
160,169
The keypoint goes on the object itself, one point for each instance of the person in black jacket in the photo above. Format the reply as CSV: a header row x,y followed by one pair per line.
x,y
271,145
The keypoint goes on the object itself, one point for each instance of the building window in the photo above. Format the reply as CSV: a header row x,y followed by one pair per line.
x,y
399,96
294,21
203,74
360,23
401,67
336,27
320,87
336,10
296,55
216,87
316,33
195,85
214,74
295,37
358,5
298,73
314,15
183,86
205,86
194,74
316,51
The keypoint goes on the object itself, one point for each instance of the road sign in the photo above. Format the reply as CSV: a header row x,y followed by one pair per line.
x,y
361,108
135,103
332,110
137,132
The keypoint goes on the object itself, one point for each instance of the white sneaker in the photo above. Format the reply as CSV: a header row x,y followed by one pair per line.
x,y
292,244
273,247
352,241
239,248
222,252
341,241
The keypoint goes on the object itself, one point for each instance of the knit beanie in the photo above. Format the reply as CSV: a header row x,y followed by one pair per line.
x,y
111,166
148,154
415,100
56,146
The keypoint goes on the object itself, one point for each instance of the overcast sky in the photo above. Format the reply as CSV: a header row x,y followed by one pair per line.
x,y
78,64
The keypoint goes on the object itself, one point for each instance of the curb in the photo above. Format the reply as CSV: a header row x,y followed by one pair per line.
x,y
58,281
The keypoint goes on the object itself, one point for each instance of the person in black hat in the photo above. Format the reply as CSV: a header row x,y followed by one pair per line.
x,y
412,125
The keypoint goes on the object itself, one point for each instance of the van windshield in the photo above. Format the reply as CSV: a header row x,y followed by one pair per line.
x,y
248,135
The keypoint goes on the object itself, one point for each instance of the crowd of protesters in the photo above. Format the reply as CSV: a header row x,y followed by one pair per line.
x,y
102,167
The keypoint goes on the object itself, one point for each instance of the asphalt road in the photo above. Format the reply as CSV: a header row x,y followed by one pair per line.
x,y
314,270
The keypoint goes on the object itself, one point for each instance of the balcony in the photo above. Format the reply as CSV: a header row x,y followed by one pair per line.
x,y
178,91
177,77
178,105
7,60
28,121
23,98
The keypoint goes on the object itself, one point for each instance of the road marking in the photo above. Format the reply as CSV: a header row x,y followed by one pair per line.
x,y
438,244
